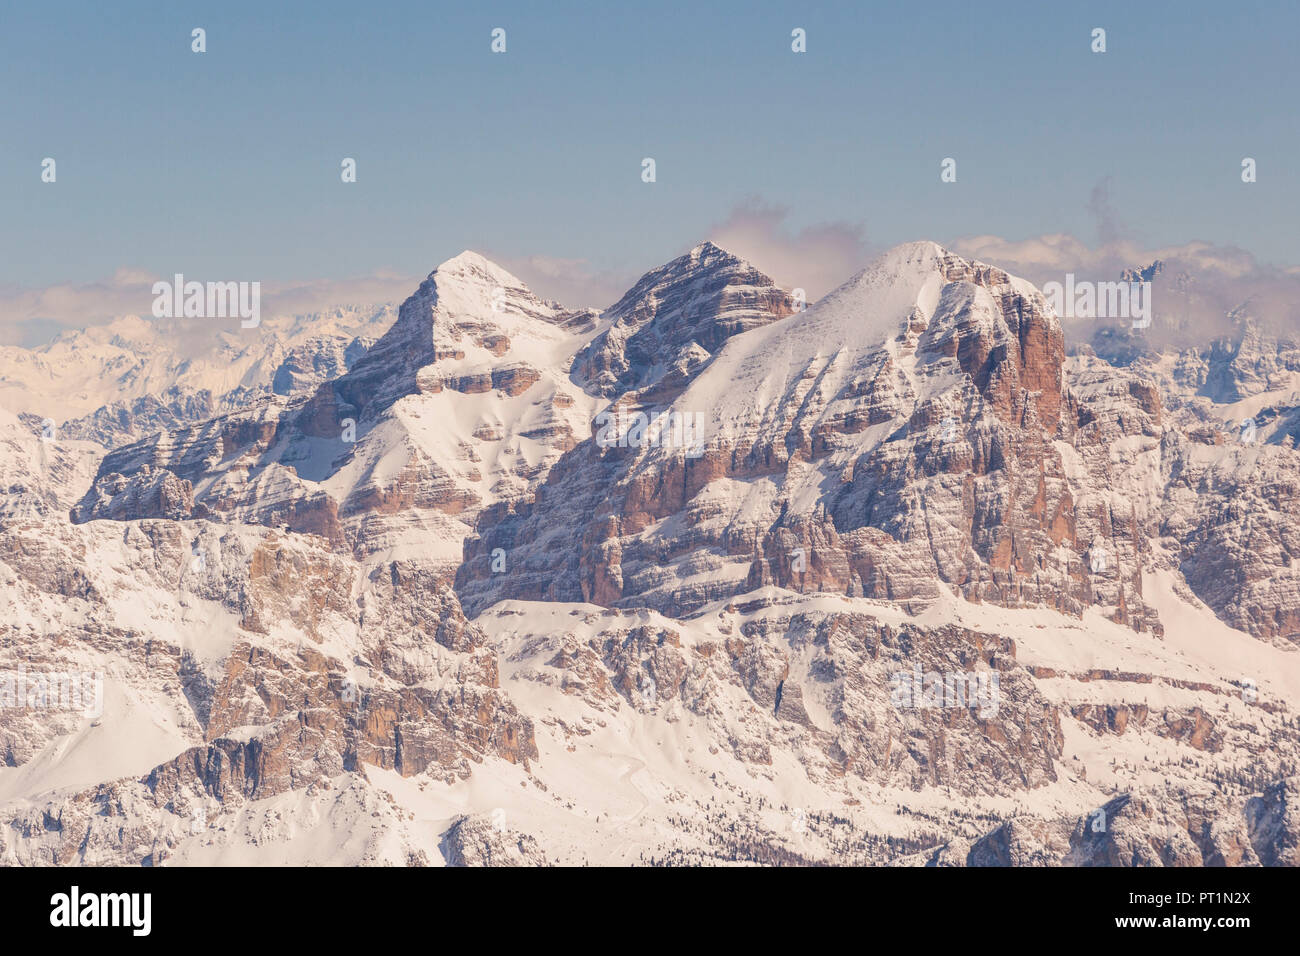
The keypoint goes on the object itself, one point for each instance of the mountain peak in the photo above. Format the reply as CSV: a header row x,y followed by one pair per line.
x,y
895,280
707,249
920,251
677,314
471,265
926,246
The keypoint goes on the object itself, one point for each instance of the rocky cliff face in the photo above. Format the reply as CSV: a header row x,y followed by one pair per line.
x,y
674,319
929,590
939,448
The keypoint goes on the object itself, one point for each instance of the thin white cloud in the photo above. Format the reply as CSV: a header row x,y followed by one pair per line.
x,y
815,258
1199,288
574,283
32,316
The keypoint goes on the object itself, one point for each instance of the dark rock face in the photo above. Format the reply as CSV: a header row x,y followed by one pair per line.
x,y
309,365
1130,831
1273,824
145,494
676,317
478,841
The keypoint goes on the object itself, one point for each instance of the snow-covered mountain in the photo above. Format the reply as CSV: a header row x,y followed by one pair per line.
x,y
931,589
119,382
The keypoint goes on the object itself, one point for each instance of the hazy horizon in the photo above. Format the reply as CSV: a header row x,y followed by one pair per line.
x,y
806,163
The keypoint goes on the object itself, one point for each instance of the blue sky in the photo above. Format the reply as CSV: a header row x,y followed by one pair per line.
x,y
226,164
